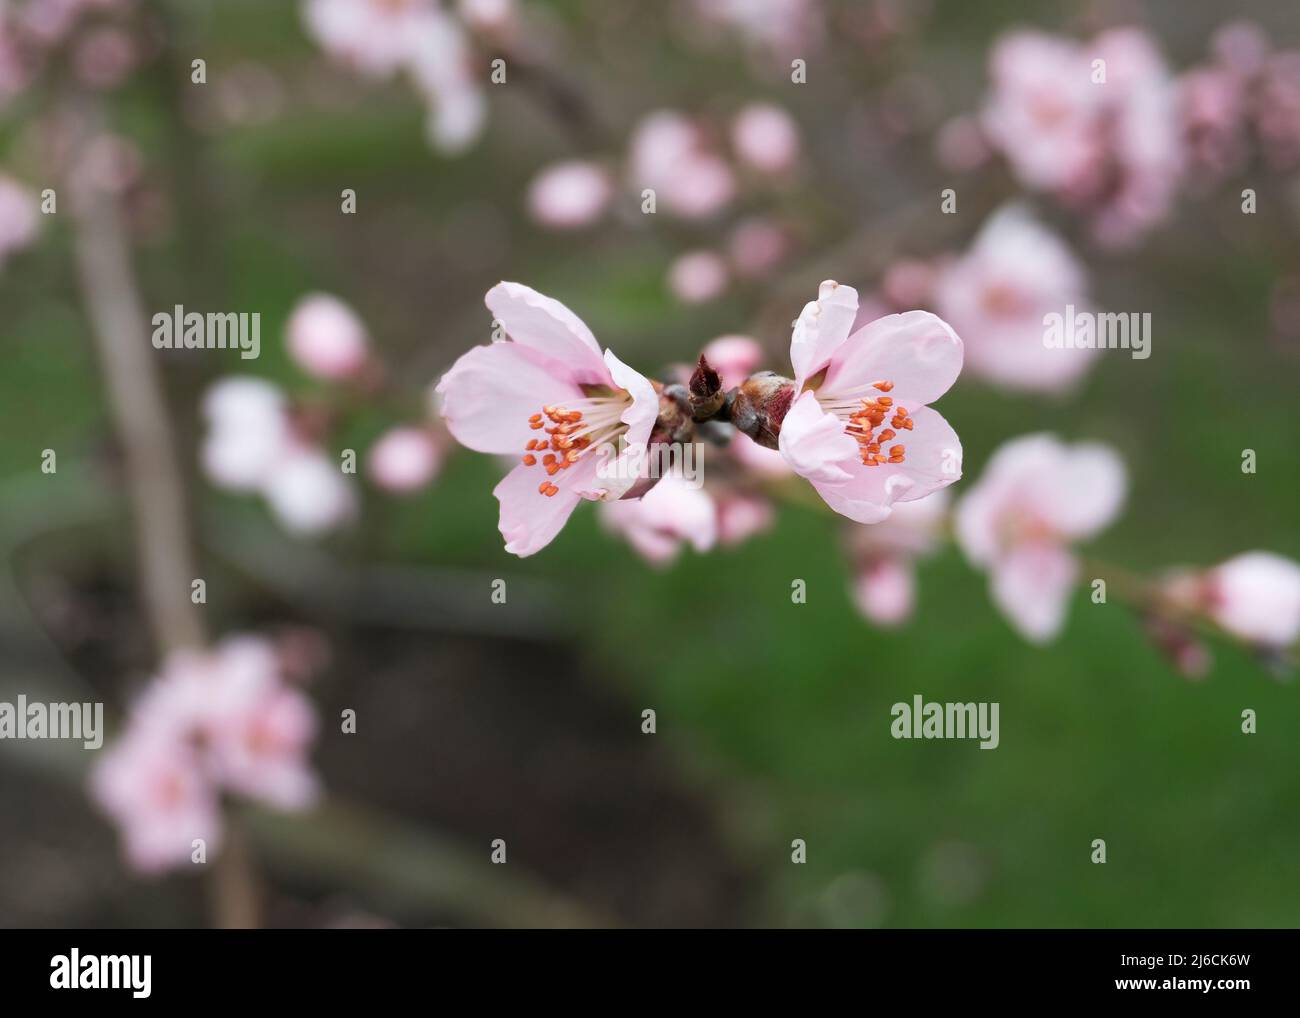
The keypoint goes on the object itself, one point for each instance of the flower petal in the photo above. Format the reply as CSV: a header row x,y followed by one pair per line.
x,y
821,328
491,391
530,520
813,442
547,326
916,350
1031,586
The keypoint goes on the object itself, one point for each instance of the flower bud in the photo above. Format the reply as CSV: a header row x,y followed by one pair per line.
x,y
760,405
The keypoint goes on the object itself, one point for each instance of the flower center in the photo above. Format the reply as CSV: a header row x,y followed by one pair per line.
x,y
574,429
862,415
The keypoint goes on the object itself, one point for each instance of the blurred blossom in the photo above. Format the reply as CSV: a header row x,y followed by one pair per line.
x,y
741,514
525,398
672,513
734,358
960,145
19,217
698,276
997,294
491,16
1277,110
1036,497
223,719
859,426
404,459
308,493
1255,596
252,446
908,283
1240,47
884,585
782,28
14,71
1213,109
766,138
570,194
104,57
326,338
378,38
759,459
1112,148
756,246
669,155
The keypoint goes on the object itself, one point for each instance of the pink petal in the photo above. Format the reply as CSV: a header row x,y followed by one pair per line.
x,y
1031,585
547,326
885,590
821,328
491,391
1085,491
813,442
530,520
617,475
916,350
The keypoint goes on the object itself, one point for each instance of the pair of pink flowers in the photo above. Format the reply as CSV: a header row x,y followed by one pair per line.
x,y
855,421
225,720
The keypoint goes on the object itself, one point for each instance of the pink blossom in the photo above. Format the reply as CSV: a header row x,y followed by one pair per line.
x,y
1240,47
779,27
756,246
997,294
860,427
1111,148
248,432
105,57
668,154
375,37
570,195
1277,110
697,277
214,720
308,494
734,358
548,396
326,338
19,217
156,793
1213,110
1037,497
766,137
493,17
672,513
405,459
1256,596
441,66
884,585
742,514
908,282
756,458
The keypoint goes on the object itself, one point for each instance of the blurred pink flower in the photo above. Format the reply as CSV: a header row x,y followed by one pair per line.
x,y
248,432
308,494
1277,110
960,145
672,513
1213,109
1112,147
855,394
756,246
375,37
759,459
668,154
549,396
221,719
326,338
105,57
697,277
251,446
569,195
1256,596
19,217
442,68
490,16
405,459
1035,498
734,358
1240,47
765,137
783,28
742,514
997,294
908,283
154,790
884,584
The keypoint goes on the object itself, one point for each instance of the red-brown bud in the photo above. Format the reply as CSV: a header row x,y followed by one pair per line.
x,y
760,405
